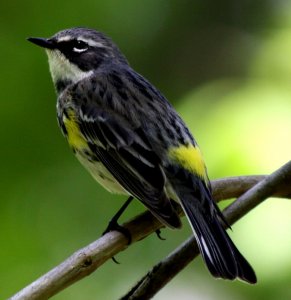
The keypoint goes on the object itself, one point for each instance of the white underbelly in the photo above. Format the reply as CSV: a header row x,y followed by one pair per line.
x,y
102,175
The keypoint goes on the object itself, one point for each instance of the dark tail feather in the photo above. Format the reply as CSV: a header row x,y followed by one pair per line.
x,y
218,251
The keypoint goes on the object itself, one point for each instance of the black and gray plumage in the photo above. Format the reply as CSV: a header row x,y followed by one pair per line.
x,y
133,142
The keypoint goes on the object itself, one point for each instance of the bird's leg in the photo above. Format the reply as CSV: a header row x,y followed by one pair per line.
x,y
113,223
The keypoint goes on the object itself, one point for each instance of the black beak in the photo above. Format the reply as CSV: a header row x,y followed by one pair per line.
x,y
44,43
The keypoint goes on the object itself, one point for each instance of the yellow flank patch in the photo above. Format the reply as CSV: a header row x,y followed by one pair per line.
x,y
190,158
75,137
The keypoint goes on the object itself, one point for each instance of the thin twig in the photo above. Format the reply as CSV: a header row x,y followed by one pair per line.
x,y
88,259
277,184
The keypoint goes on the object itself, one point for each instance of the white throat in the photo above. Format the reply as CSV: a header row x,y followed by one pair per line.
x,y
62,69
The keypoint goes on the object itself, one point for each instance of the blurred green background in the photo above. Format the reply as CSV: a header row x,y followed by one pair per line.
x,y
226,67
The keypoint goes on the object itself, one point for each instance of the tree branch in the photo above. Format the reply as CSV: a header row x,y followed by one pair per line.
x,y
277,184
88,259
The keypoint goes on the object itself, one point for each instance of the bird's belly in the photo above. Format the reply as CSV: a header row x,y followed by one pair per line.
x,y
101,174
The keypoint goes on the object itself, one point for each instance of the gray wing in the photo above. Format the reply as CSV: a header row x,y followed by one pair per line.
x,y
124,150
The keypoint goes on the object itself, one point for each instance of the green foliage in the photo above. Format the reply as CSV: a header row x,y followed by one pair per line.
x,y
225,66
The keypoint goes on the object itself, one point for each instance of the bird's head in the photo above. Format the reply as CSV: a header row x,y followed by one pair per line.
x,y
77,52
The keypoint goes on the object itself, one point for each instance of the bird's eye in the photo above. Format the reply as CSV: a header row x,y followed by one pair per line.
x,y
80,46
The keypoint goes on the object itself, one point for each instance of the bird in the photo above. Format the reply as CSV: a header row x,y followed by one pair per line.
x,y
134,143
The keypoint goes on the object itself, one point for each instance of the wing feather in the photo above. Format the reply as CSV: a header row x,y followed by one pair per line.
x,y
126,153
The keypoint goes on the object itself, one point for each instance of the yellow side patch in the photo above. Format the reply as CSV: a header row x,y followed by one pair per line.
x,y
75,138
190,158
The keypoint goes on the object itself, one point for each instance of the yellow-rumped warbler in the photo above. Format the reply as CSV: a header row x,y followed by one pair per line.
x,y
133,142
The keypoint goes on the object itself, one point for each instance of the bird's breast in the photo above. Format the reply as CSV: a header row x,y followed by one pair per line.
x,y
79,144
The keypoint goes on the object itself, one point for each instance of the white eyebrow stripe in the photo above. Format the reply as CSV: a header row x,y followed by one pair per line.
x,y
91,42
65,38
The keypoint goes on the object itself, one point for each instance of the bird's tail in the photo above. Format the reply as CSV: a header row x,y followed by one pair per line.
x,y
220,254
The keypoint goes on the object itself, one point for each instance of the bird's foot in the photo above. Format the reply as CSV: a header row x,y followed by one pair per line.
x,y
114,226
158,233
